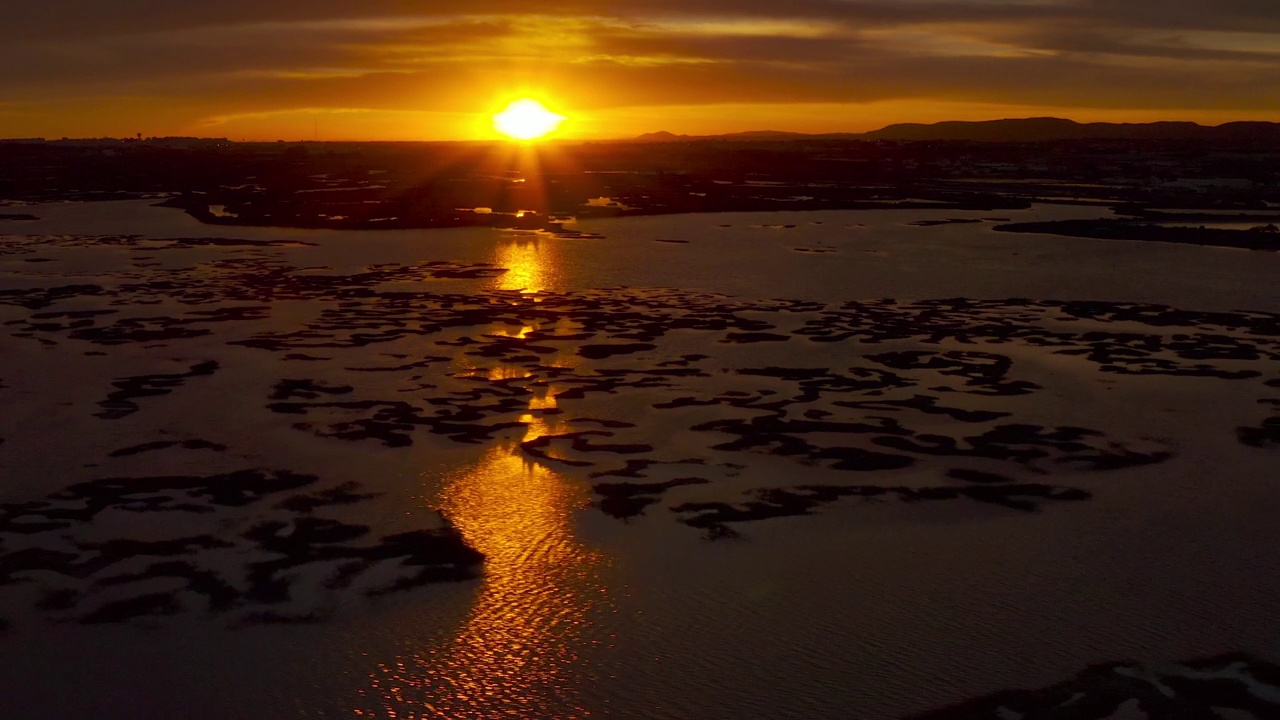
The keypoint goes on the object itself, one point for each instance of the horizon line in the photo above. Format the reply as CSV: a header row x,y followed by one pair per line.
x,y
850,134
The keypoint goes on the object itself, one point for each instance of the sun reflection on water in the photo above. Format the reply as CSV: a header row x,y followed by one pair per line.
x,y
516,653
530,263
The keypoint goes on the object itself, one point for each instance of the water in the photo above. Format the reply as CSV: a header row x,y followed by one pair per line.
x,y
878,255
864,609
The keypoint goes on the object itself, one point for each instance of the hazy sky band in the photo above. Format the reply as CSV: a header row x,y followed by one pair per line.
x,y
374,69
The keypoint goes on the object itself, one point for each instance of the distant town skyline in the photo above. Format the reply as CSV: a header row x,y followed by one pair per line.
x,y
391,70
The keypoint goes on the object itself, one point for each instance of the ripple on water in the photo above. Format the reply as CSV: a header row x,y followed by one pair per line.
x,y
540,596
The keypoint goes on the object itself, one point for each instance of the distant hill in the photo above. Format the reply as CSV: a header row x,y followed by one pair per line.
x,y
664,136
1047,128
1016,130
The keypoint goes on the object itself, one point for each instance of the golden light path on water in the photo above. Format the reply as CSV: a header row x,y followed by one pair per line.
x,y
530,265
514,655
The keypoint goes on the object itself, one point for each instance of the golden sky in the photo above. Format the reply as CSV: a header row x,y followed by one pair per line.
x,y
436,69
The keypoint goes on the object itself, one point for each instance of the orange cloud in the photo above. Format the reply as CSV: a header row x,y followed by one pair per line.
x,y
386,69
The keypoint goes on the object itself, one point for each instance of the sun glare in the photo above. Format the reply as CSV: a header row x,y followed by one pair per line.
x,y
526,119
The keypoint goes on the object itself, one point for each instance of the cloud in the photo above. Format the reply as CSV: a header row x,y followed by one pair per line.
x,y
239,58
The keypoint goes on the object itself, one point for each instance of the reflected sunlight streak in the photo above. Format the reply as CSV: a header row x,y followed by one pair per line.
x,y
540,587
527,271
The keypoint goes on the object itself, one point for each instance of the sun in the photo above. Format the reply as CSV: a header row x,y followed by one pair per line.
x,y
526,119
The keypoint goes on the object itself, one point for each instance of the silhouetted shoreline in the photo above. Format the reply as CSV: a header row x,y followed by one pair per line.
x,y
1260,238
355,186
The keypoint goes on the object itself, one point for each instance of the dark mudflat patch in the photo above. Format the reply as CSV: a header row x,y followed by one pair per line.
x,y
977,476
289,389
599,352
237,570
744,338
1199,688
173,243
716,517
626,500
950,221
602,423
123,401
271,617
1265,435
149,605
344,494
580,442
194,444
634,468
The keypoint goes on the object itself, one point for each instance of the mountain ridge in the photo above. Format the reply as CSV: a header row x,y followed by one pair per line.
x,y
1012,130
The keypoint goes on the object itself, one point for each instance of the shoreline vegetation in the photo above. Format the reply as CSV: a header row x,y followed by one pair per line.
x,y
1157,189
1262,237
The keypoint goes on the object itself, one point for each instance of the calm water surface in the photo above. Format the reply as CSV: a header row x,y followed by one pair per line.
x,y
856,612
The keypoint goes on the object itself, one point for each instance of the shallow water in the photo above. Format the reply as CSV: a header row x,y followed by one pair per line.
x,y
754,255
863,609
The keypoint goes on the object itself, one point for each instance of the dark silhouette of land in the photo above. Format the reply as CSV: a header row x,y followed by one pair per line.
x,y
995,166
1019,130
1260,237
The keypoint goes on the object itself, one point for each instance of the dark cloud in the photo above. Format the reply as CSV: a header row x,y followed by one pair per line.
x,y
1230,15
91,18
